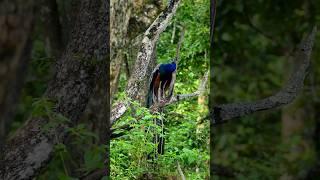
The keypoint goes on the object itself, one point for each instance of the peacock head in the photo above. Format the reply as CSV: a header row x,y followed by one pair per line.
x,y
173,66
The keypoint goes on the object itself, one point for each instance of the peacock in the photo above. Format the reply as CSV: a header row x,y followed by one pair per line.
x,y
161,86
161,83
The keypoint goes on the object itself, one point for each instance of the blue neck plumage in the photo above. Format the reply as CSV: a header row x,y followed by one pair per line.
x,y
168,68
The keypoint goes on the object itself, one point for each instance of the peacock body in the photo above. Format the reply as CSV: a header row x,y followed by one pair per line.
x,y
161,83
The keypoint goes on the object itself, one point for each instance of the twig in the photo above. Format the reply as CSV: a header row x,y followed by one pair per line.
x,y
200,90
173,32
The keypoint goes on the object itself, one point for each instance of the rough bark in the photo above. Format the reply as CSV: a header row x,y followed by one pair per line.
x,y
77,71
16,22
225,112
52,27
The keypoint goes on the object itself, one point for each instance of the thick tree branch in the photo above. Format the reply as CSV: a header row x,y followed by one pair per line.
x,y
285,96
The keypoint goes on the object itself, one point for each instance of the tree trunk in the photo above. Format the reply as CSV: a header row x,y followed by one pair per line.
x,y
78,69
16,22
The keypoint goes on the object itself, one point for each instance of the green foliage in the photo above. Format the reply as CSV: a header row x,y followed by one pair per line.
x,y
94,158
93,155
129,153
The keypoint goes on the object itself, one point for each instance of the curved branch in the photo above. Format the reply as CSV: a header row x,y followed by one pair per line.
x,y
285,96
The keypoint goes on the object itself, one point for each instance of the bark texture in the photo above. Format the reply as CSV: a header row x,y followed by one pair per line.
x,y
16,22
78,70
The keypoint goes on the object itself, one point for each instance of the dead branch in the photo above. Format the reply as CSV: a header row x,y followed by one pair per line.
x,y
225,112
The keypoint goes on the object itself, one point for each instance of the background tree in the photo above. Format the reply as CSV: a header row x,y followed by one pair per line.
x,y
80,67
